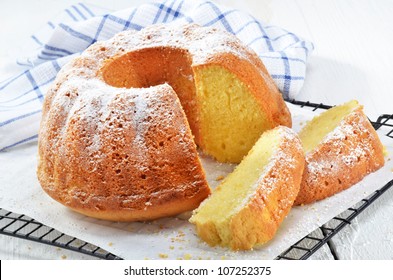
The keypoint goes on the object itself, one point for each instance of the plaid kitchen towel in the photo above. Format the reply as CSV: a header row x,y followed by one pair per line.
x,y
283,53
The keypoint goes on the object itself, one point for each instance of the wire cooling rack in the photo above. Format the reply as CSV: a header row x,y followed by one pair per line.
x,y
22,226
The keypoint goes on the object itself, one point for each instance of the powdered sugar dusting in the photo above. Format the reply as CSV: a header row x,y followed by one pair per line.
x,y
202,43
285,155
337,140
285,159
140,111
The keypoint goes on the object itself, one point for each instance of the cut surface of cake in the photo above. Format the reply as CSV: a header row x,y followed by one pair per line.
x,y
114,141
248,206
341,147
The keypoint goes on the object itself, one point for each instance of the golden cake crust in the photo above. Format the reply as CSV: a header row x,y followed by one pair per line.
x,y
344,157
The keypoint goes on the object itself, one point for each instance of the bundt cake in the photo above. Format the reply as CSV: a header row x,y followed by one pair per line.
x,y
114,142
249,205
341,148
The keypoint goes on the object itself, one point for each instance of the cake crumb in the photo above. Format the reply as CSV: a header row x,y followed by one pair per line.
x,y
219,178
223,257
179,237
110,244
163,256
171,247
64,257
187,256
146,258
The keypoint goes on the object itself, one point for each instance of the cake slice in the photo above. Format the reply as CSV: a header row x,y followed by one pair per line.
x,y
249,205
341,147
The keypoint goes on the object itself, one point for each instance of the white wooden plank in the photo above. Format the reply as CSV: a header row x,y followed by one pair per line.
x,y
323,253
370,235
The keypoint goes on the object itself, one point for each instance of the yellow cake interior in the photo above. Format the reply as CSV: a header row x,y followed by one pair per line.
x,y
231,120
223,114
316,129
235,190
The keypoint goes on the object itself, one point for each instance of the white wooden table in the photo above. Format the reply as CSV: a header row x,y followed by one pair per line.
x,y
352,60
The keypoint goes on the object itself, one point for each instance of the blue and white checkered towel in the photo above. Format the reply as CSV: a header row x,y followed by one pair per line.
x,y
283,53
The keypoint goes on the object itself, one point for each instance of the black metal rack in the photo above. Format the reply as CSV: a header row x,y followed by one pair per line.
x,y
24,227
21,226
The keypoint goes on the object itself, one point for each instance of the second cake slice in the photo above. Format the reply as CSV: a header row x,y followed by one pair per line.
x,y
341,148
